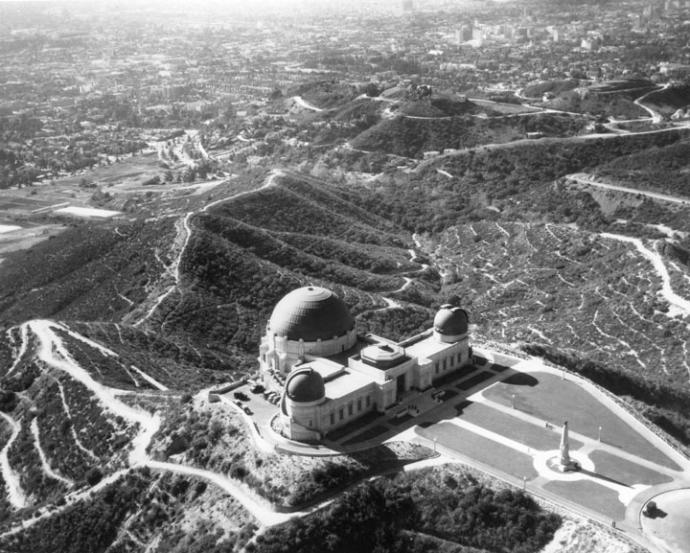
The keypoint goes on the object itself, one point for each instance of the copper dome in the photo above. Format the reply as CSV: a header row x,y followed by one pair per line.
x,y
451,321
310,314
305,385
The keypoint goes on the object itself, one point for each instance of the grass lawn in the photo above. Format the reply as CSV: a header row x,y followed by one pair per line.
x,y
137,168
590,495
536,437
625,471
15,202
555,400
482,449
474,380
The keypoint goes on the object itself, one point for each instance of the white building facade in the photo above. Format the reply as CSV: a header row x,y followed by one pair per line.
x,y
330,377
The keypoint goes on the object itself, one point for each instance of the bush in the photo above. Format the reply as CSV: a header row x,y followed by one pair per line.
x,y
8,401
94,476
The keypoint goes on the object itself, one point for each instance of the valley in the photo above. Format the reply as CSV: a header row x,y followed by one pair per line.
x,y
163,186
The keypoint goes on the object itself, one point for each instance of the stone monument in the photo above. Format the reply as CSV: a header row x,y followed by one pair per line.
x,y
565,463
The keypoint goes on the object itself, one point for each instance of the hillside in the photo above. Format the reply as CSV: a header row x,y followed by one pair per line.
x,y
669,100
438,105
88,272
325,94
81,423
413,136
111,345
554,87
664,169
244,255
619,105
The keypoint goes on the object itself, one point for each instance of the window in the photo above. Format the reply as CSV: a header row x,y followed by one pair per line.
x,y
341,414
359,404
444,364
436,367
332,418
460,357
349,408
309,423
368,401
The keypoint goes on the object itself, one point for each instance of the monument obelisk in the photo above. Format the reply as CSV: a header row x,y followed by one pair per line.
x,y
565,462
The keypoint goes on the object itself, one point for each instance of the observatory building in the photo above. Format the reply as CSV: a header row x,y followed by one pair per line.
x,y
329,376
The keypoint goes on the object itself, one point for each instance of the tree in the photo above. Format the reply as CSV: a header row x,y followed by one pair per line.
x,y
94,476
372,90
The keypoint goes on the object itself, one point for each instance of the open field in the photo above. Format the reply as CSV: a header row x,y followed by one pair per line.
x,y
504,108
554,400
590,495
20,238
481,449
129,171
625,471
536,437
13,201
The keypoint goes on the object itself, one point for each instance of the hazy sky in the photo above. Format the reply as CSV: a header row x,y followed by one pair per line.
x,y
222,9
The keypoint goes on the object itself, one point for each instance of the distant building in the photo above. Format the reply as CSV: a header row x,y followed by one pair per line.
x,y
330,376
674,70
407,5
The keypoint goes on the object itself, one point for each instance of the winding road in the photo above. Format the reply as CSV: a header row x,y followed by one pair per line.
x,y
306,105
174,268
588,180
679,305
15,494
54,355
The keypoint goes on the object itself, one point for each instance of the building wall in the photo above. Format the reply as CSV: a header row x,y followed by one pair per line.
x,y
288,353
449,360
314,420
328,415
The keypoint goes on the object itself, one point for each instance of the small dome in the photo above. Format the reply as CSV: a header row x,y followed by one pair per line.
x,y
305,385
451,321
310,314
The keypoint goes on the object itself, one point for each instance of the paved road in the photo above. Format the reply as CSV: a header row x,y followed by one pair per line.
x,y
588,180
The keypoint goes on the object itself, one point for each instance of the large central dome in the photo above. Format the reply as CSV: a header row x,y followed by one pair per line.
x,y
310,314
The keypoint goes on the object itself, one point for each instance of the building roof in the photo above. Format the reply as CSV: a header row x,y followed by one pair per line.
x,y
383,356
310,314
305,385
345,383
426,347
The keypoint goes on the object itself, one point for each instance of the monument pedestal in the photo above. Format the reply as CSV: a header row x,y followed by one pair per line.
x,y
555,464
570,466
565,463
